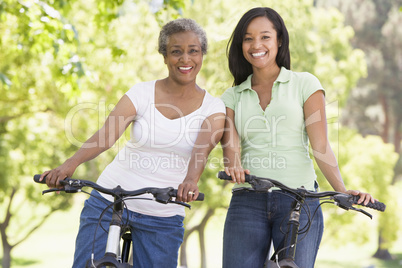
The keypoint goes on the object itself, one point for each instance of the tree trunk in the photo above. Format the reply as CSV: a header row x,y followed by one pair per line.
x,y
386,125
397,136
183,254
183,248
201,233
382,253
6,255
3,227
397,145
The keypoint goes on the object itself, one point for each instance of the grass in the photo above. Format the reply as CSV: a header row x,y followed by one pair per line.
x,y
354,256
53,246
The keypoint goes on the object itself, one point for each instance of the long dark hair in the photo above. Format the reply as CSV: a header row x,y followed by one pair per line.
x,y
238,65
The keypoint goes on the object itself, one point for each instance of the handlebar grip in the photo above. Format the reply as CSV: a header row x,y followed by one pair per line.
x,y
376,205
37,177
223,176
200,197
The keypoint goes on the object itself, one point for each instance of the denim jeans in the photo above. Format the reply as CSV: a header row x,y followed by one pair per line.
x,y
156,240
254,219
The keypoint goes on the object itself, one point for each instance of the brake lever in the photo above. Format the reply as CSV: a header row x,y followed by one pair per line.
x,y
163,196
180,203
52,190
71,186
362,211
346,202
67,189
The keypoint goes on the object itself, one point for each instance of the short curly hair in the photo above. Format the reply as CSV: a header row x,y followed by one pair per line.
x,y
179,26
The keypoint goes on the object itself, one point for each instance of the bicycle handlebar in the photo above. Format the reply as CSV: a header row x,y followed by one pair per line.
x,y
162,195
342,200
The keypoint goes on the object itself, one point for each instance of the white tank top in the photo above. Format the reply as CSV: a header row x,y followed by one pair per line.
x,y
158,151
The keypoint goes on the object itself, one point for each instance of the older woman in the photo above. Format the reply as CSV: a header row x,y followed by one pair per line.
x,y
174,126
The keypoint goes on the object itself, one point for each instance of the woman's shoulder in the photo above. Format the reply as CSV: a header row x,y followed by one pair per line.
x,y
211,102
306,83
209,99
302,76
143,86
142,90
141,94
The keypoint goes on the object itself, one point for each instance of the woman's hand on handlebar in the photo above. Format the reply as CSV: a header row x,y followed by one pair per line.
x,y
54,176
187,191
365,198
237,174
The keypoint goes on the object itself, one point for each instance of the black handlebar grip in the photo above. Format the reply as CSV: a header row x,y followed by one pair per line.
x,y
200,197
223,176
376,205
37,177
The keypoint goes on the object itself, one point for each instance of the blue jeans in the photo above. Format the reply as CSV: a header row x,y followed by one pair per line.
x,y
156,240
254,219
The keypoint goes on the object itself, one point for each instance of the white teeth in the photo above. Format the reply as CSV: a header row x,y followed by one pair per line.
x,y
259,54
185,68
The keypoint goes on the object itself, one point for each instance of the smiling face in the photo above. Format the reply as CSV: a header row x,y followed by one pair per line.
x,y
184,57
260,44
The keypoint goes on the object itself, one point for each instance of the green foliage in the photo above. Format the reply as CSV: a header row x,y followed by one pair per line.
x,y
57,66
64,64
32,35
366,164
374,107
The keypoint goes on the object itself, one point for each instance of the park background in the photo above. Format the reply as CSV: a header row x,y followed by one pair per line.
x,y
64,65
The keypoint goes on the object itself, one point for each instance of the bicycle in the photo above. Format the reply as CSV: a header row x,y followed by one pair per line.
x,y
117,252
284,255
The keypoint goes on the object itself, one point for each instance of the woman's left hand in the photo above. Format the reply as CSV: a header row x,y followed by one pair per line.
x,y
187,191
365,198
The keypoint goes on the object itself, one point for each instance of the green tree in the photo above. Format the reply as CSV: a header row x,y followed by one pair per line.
x,y
37,46
373,107
59,62
370,170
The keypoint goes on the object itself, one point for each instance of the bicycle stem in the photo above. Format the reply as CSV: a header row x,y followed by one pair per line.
x,y
113,241
292,233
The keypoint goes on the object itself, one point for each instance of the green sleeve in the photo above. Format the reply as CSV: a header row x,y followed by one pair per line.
x,y
311,84
229,99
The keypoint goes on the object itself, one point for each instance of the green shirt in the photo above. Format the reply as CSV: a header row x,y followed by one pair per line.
x,y
274,142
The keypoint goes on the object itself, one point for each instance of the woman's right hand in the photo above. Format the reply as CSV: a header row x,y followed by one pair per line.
x,y
237,174
54,176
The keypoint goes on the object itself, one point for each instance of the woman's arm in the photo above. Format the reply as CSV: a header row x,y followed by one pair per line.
x,y
316,126
115,125
231,149
209,136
